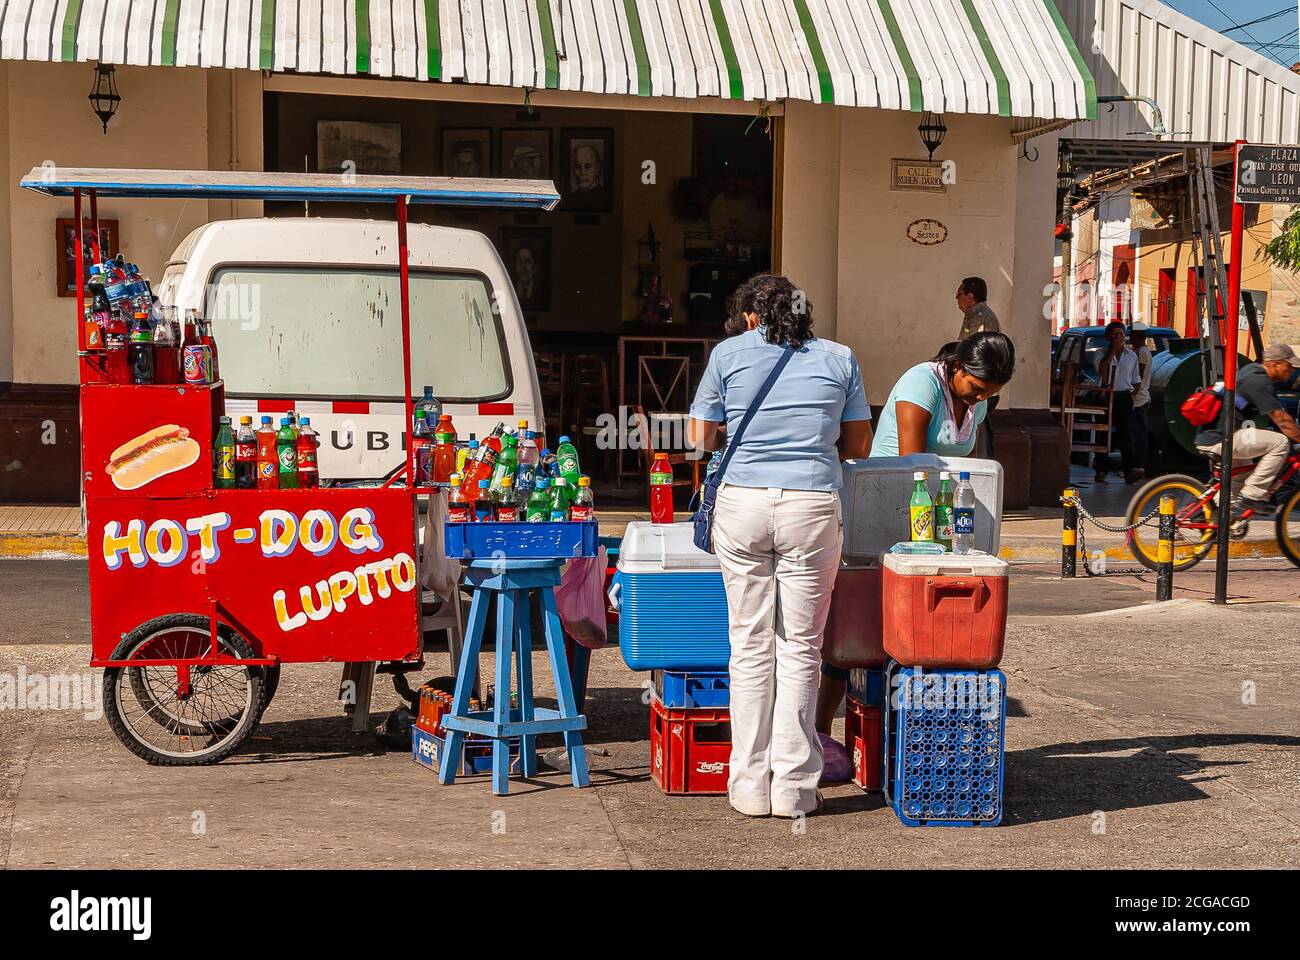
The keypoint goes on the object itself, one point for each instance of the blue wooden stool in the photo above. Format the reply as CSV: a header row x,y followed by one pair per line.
x,y
509,581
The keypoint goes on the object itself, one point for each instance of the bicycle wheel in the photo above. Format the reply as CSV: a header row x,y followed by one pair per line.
x,y
1194,529
1288,527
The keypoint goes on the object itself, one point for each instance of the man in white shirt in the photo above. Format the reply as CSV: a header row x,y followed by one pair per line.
x,y
1119,370
1141,396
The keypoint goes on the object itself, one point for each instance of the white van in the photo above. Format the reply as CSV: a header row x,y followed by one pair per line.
x,y
306,316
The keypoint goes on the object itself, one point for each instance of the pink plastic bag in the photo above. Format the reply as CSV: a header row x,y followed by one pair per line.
x,y
580,598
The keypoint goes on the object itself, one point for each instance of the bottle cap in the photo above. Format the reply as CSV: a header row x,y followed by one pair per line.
x,y
545,452
266,420
919,475
473,444
305,421
482,484
542,483
428,390
225,419
564,439
522,425
245,419
507,482
454,480
584,481
284,421
560,481
945,475
964,475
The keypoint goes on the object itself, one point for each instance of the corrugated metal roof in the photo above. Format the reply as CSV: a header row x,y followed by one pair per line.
x,y
1208,86
1004,57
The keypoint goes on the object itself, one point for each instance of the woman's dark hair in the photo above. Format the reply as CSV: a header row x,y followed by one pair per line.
x,y
987,356
783,311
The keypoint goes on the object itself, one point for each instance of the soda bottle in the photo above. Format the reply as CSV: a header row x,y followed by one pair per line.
x,y
583,502
444,449
166,350
566,454
546,465
224,447
943,511
963,515
539,502
97,314
507,461
466,453
422,444
117,365
268,464
507,503
526,472
190,334
559,500
246,455
428,408
308,442
488,451
207,339
458,508
286,455
921,510
661,490
140,348
484,503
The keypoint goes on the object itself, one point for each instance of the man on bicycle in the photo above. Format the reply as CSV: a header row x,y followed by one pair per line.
x,y
1257,397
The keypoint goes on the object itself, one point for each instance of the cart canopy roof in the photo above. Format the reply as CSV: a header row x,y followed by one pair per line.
x,y
57,181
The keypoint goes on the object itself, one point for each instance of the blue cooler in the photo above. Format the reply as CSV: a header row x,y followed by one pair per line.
x,y
672,608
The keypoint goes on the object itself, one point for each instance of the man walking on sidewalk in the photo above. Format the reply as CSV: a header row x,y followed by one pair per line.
x,y
1257,397
1119,370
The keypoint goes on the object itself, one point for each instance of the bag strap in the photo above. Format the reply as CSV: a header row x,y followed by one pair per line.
x,y
734,442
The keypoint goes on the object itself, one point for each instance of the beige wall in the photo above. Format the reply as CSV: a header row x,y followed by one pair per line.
x,y
1028,322
844,238
162,122
6,261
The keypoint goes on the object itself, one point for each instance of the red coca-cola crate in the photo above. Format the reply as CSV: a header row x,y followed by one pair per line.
x,y
864,740
690,749
946,611
855,624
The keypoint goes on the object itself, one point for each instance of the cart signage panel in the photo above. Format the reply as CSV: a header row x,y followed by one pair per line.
x,y
309,575
1268,174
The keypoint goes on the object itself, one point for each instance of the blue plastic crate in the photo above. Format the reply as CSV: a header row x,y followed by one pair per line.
x,y
867,686
945,746
682,689
426,750
521,541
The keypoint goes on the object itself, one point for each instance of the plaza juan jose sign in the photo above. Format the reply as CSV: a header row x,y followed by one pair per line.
x,y
1268,174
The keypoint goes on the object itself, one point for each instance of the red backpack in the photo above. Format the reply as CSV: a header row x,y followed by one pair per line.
x,y
1202,407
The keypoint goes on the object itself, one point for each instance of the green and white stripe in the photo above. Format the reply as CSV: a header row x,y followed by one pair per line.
x,y
1000,57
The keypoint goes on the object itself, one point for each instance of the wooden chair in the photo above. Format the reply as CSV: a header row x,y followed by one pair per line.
x,y
552,378
648,452
589,391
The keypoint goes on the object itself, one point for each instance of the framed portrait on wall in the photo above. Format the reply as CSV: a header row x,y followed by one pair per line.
x,y
466,152
525,153
372,148
65,250
587,169
527,255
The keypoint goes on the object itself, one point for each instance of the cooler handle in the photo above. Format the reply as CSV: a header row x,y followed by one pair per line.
x,y
973,592
615,592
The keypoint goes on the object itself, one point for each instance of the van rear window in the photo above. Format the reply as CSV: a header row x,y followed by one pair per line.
x,y
309,332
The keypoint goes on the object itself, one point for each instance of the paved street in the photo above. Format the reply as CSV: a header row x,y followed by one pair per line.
x,y
1138,736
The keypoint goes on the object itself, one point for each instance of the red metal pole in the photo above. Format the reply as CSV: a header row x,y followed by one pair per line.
x,y
94,226
1232,310
79,271
404,273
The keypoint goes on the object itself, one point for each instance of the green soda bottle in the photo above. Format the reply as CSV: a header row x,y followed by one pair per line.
x,y
566,459
559,501
921,510
943,511
286,451
225,448
538,508
507,462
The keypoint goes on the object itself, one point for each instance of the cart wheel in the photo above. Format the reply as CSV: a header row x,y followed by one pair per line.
x,y
147,711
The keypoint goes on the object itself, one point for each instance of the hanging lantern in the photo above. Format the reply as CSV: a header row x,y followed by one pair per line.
x,y
104,98
932,131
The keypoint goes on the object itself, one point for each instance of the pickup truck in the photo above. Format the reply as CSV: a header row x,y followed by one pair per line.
x,y
306,317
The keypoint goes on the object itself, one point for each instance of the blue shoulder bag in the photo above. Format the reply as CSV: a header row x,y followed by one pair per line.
x,y
703,518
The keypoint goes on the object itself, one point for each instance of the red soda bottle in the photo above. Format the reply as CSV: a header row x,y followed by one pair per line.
x,y
117,366
661,490
245,455
268,460
308,443
459,510
166,351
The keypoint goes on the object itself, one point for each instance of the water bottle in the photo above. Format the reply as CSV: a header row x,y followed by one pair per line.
x,y
963,515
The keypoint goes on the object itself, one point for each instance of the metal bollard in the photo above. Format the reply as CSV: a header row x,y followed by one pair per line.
x,y
1165,551
1069,532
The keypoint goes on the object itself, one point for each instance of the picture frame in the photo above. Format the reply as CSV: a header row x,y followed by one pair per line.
x,y
526,252
65,242
587,169
371,148
466,152
525,153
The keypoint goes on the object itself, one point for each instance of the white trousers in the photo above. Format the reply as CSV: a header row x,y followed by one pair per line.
x,y
1271,449
779,551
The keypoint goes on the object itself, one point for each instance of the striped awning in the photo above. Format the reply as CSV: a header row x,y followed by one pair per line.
x,y
999,57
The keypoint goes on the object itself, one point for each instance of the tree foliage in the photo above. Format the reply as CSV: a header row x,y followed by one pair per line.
x,y
1284,249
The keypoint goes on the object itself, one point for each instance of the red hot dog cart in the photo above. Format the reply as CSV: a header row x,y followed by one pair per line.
x,y
199,594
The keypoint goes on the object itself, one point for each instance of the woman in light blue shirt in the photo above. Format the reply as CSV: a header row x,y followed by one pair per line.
x,y
937,406
778,532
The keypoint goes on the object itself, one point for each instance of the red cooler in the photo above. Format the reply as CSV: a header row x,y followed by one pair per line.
x,y
945,612
855,625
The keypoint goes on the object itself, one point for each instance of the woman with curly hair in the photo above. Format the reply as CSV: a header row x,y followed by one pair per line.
x,y
778,530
